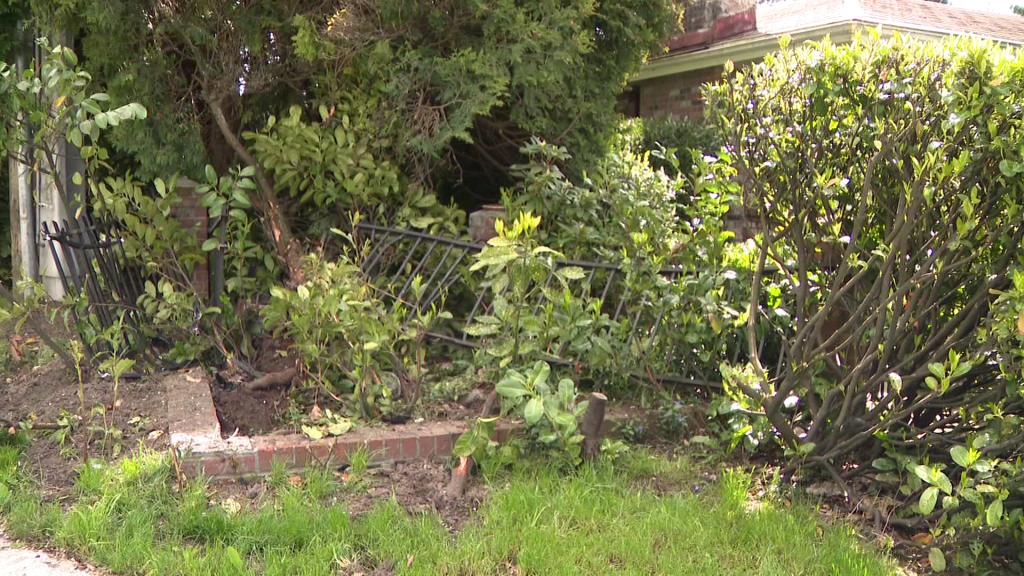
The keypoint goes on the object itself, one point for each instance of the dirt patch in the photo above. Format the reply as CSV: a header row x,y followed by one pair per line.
x,y
248,412
417,486
47,396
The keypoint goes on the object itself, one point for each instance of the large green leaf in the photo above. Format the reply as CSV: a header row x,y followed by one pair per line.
x,y
534,411
512,388
928,499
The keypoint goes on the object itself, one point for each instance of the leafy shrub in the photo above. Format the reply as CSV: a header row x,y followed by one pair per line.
x,y
665,138
886,178
624,213
337,167
535,314
620,209
341,330
549,414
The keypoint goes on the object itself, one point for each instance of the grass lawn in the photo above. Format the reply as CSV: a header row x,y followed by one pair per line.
x,y
130,518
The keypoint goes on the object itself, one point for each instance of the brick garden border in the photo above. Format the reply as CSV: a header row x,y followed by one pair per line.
x,y
195,434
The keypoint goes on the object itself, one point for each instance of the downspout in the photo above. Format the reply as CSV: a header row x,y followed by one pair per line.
x,y
27,181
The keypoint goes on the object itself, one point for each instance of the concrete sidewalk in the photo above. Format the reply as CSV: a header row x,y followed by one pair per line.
x,y
18,561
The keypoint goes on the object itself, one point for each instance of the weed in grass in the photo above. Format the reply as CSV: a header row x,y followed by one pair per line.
x,y
278,475
359,461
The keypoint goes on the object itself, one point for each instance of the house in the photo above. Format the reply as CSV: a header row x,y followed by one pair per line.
x,y
718,31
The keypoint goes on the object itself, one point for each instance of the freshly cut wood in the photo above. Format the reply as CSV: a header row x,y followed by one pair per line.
x,y
593,422
460,475
273,379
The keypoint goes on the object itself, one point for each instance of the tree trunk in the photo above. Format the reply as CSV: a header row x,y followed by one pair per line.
x,y
274,219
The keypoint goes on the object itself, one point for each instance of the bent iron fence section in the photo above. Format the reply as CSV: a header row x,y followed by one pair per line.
x,y
94,268
396,257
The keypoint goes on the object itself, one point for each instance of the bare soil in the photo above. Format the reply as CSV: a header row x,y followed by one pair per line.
x,y
42,396
417,486
254,412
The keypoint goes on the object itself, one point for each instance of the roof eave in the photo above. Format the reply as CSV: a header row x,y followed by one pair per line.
x,y
752,48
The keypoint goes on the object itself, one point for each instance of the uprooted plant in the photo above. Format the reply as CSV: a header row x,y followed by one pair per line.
x,y
885,177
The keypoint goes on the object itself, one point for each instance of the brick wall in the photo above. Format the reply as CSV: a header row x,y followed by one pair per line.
x,y
194,217
678,94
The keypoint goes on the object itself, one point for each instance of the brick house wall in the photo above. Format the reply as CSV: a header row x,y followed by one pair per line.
x,y
676,95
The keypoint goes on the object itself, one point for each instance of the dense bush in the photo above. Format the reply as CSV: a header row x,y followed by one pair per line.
x,y
886,177
665,136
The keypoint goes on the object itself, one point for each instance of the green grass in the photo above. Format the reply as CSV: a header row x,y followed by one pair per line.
x,y
130,519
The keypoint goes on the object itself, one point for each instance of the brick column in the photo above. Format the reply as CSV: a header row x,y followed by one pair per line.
x,y
195,218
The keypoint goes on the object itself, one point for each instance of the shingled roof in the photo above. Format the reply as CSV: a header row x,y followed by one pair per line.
x,y
794,15
841,20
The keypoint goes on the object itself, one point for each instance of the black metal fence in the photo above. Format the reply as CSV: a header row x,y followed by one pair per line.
x,y
397,257
92,263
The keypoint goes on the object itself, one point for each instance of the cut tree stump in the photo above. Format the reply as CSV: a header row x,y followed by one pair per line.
x,y
593,422
460,475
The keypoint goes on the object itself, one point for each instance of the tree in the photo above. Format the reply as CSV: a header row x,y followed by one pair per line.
x,y
460,83
472,81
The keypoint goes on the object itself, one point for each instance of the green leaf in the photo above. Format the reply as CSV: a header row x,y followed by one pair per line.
x,y
928,499
241,198
123,365
896,381
541,370
961,456
571,273
884,464
994,514
511,388
943,483
923,472
211,175
937,560
534,411
210,244
76,178
464,445
339,428
234,559
567,391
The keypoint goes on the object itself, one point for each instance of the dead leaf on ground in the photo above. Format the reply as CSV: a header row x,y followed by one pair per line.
x,y
922,538
295,480
231,505
193,379
316,413
408,561
155,434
